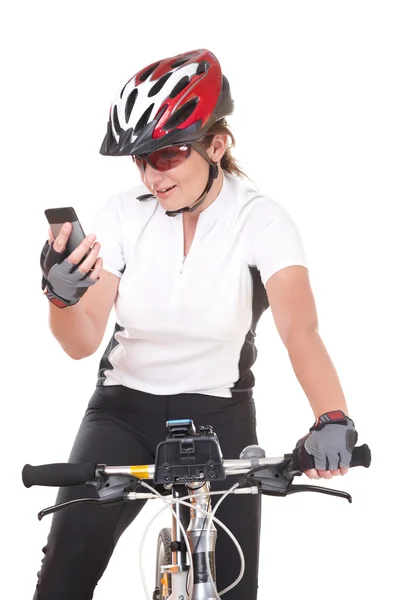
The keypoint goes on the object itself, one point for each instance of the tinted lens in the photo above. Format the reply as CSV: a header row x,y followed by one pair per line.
x,y
170,157
165,158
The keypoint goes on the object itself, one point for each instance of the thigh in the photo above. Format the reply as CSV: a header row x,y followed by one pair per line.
x,y
241,514
82,538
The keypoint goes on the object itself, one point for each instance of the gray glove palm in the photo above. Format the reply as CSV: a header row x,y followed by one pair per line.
x,y
62,282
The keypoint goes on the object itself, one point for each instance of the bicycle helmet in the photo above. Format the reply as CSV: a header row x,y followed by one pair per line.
x,y
173,100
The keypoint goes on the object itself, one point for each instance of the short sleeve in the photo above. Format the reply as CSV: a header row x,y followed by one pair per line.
x,y
107,228
278,245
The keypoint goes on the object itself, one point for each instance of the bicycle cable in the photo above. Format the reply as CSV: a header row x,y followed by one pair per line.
x,y
215,519
232,537
187,504
242,559
184,534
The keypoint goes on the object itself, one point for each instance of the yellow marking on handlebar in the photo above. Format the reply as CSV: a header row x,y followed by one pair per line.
x,y
140,471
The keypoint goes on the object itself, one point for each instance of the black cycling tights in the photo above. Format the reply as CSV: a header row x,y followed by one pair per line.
x,y
122,427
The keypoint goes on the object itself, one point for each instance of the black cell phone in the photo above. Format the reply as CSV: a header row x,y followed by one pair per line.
x,y
56,217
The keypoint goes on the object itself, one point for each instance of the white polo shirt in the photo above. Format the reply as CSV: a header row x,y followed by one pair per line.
x,y
187,326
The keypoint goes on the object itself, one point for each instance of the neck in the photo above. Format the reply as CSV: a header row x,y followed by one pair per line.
x,y
211,197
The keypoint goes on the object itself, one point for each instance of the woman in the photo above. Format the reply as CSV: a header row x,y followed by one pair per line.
x,y
191,259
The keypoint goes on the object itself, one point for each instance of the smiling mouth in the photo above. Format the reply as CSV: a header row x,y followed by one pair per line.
x,y
164,190
164,193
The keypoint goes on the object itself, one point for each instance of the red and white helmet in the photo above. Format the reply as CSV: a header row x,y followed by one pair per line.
x,y
171,101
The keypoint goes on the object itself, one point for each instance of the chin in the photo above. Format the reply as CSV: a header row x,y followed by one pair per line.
x,y
172,203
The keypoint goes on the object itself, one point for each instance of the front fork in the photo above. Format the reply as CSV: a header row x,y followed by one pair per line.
x,y
200,541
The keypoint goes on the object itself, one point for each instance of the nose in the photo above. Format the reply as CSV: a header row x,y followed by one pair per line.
x,y
151,176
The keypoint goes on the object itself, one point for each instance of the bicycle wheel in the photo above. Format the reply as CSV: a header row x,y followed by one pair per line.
x,y
164,557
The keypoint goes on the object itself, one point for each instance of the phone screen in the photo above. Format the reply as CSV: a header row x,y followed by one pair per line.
x,y
56,217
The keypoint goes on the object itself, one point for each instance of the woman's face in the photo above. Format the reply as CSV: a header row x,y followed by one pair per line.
x,y
183,184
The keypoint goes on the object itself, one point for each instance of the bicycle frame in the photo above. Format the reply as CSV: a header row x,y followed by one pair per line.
x,y
202,544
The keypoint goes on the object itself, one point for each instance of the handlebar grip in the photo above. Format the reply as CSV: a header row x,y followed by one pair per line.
x,y
361,457
58,474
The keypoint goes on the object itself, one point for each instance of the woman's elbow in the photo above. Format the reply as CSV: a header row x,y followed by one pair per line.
x,y
79,353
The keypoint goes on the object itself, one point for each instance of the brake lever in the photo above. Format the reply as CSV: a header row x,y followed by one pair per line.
x,y
108,495
57,507
273,479
277,480
117,497
293,489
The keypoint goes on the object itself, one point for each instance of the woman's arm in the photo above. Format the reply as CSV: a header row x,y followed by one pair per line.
x,y
293,307
80,328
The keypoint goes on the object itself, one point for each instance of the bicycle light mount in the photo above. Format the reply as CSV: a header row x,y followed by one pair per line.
x,y
188,456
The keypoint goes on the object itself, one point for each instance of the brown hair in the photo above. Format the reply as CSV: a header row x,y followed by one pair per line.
x,y
228,162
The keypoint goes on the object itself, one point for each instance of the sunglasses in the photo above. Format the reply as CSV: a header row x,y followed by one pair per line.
x,y
164,159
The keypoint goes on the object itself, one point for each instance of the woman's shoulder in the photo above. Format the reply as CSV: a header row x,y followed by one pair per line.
x,y
252,202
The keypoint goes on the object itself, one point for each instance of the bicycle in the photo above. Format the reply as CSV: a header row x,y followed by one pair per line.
x,y
191,459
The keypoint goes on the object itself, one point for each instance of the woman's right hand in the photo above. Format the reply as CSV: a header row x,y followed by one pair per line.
x,y
67,278
92,264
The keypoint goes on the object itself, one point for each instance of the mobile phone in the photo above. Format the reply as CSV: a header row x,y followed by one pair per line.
x,y
56,217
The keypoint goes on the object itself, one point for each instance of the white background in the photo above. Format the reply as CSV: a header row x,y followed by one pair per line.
x,y
321,126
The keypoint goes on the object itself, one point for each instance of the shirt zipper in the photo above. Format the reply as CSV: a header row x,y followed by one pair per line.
x,y
182,265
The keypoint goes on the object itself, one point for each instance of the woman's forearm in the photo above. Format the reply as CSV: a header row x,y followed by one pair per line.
x,y
74,330
315,372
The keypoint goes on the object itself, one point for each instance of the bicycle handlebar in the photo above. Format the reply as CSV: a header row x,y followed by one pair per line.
x,y
59,474
361,457
70,474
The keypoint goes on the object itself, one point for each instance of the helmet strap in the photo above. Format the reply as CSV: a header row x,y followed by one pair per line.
x,y
213,174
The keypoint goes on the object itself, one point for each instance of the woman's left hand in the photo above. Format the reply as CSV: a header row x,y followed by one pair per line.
x,y
327,450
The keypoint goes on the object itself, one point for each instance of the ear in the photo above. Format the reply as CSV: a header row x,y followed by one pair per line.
x,y
218,147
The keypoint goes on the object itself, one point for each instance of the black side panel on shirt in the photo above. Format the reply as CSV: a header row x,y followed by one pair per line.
x,y
248,354
105,364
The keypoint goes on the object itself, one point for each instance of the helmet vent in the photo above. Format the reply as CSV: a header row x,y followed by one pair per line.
x,y
123,88
148,72
202,67
130,103
182,114
144,119
159,85
116,121
161,112
179,62
182,83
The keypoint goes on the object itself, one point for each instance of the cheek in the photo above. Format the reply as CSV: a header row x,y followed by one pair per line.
x,y
192,175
